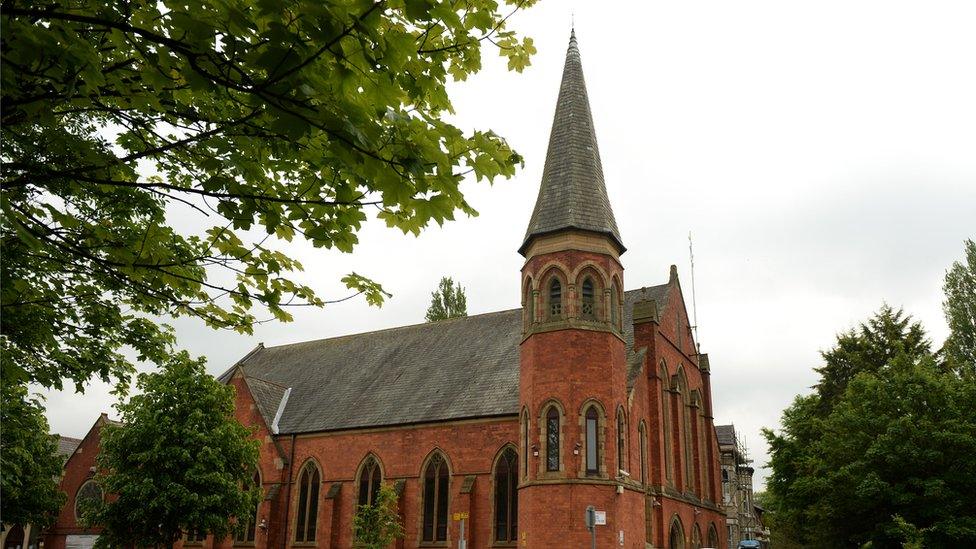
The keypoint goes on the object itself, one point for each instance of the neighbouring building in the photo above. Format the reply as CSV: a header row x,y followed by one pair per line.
x,y
15,536
743,517
497,429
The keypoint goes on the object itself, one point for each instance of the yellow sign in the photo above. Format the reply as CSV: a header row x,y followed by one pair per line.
x,y
460,516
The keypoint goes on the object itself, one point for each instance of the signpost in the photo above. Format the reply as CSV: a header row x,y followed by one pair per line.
x,y
591,520
462,518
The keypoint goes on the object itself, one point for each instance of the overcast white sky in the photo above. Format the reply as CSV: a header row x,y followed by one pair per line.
x,y
823,154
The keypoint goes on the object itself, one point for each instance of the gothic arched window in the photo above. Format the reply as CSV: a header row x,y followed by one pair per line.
x,y
308,503
676,538
552,439
588,301
525,443
712,535
642,435
529,303
250,527
555,298
88,495
614,304
506,497
436,489
668,425
621,441
370,478
592,419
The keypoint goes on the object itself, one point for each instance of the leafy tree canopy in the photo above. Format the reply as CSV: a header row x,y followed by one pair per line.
x,y
378,524
178,462
883,452
29,463
266,120
447,301
960,313
868,348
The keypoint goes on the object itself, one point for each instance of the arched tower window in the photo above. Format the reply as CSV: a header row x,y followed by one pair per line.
x,y
370,478
642,436
555,298
308,503
588,301
87,496
250,527
621,441
592,421
529,304
614,305
506,497
552,439
436,489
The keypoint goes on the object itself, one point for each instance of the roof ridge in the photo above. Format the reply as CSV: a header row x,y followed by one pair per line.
x,y
390,329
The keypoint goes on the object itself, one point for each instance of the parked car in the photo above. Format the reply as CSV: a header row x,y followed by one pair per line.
x,y
749,544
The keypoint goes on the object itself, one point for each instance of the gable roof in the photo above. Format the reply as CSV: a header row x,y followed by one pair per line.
x,y
725,435
67,445
447,370
572,194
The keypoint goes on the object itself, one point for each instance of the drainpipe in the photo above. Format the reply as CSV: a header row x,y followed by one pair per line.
x,y
291,460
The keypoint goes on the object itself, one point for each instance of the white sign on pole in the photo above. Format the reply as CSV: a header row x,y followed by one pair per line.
x,y
601,518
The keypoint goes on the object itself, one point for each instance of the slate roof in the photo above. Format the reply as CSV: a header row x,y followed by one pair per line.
x,y
447,370
67,445
573,194
725,435
267,396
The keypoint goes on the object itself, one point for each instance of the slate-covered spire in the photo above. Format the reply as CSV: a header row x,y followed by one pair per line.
x,y
572,194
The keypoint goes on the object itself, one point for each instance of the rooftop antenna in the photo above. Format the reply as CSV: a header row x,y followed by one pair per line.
x,y
694,302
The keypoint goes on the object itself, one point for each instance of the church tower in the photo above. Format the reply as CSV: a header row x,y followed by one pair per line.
x,y
573,357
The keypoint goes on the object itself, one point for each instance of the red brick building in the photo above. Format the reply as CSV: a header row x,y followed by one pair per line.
x,y
500,429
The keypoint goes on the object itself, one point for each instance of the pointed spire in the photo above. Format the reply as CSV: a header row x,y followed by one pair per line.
x,y
572,194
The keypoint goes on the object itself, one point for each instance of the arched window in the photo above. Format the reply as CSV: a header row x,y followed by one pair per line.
x,y
614,304
308,503
676,539
555,298
436,489
552,439
529,303
642,435
247,535
588,301
712,535
525,443
668,425
370,478
592,441
87,496
506,497
687,440
696,537
621,441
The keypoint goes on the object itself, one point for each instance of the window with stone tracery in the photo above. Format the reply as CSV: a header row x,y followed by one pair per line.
x,y
588,302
